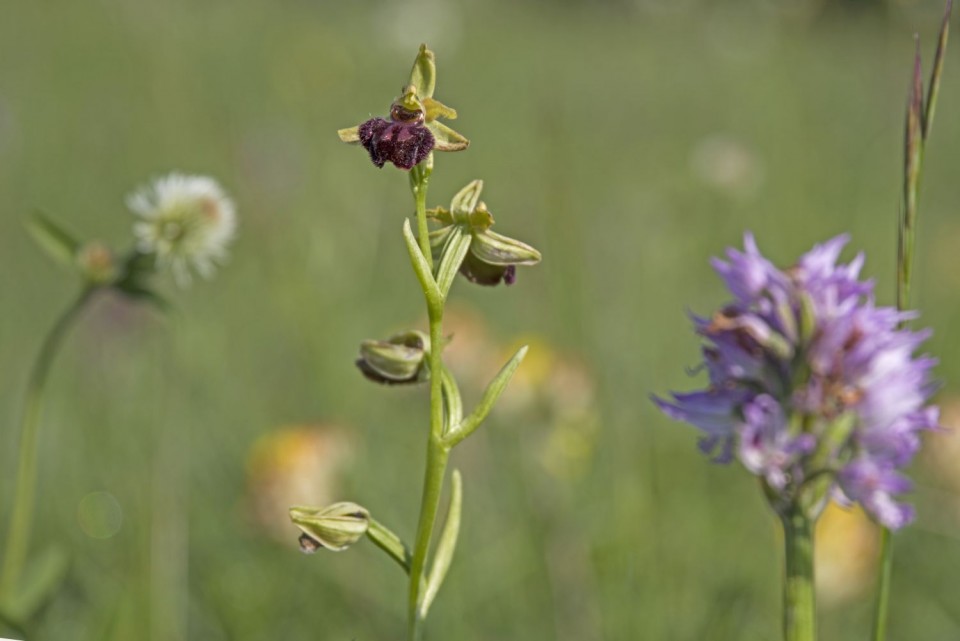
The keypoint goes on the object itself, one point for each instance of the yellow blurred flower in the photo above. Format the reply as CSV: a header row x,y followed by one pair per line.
x,y
295,465
528,387
471,353
559,390
845,554
553,393
554,382
566,452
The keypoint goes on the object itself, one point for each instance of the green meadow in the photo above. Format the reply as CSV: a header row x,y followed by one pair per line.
x,y
629,142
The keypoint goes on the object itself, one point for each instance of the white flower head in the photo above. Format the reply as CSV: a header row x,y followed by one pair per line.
x,y
187,222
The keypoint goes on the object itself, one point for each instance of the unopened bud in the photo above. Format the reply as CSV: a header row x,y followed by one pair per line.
x,y
96,263
335,527
397,360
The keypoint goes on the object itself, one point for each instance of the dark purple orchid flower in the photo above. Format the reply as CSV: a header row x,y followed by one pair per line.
x,y
403,140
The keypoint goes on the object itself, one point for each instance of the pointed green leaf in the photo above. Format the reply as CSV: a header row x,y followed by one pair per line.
x,y
421,267
934,89
446,546
490,396
390,543
453,404
423,76
446,139
350,134
454,251
54,239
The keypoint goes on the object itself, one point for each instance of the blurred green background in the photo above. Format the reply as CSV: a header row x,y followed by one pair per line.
x,y
629,141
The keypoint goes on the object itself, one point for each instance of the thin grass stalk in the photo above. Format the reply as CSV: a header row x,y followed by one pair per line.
x,y
919,123
21,520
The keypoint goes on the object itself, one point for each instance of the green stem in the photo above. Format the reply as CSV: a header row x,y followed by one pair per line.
x,y
799,604
437,453
18,535
419,181
883,585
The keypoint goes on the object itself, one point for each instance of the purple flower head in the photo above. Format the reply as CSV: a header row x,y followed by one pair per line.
x,y
414,128
810,380
767,447
403,140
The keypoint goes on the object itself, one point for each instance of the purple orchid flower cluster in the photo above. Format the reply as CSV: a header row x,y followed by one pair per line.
x,y
812,386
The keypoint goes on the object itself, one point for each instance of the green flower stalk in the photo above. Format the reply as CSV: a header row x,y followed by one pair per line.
x,y
799,602
463,243
919,122
185,223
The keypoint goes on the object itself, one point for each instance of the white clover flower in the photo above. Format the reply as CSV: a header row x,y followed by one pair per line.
x,y
187,222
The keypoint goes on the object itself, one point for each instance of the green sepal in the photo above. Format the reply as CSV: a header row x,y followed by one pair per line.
x,y
390,543
56,241
445,138
466,200
455,249
423,76
490,396
433,109
446,546
496,249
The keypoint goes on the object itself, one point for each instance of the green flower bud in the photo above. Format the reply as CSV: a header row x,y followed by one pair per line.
x,y
492,258
97,263
399,359
335,527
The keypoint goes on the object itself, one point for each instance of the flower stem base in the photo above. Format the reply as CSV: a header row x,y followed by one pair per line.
x,y
799,602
